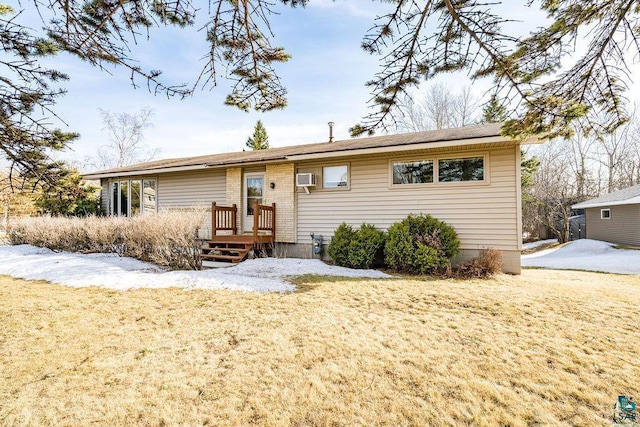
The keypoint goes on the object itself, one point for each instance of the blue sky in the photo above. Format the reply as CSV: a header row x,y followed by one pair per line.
x,y
325,79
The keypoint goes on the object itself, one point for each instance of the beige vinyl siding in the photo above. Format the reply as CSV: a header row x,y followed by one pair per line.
x,y
193,189
623,227
484,214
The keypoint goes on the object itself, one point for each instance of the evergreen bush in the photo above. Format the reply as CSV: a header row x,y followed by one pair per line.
x,y
339,245
366,243
356,248
420,244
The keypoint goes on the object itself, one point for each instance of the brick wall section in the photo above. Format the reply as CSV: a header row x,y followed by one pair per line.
x,y
234,193
283,195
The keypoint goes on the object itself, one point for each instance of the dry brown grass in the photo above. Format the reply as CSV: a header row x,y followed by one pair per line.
x,y
545,348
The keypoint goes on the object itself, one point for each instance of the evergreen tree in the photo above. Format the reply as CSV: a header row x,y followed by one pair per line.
x,y
550,85
260,139
26,94
67,195
494,111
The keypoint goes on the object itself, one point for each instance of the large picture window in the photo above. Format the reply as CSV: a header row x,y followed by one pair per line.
x,y
461,169
132,197
420,172
335,176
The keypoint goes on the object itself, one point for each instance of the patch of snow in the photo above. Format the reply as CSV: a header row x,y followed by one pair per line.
x,y
532,245
121,273
585,254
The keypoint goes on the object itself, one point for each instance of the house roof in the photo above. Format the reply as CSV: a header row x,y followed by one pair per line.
x,y
402,142
627,196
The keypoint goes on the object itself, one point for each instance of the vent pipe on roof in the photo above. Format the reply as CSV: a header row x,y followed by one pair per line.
x,y
331,131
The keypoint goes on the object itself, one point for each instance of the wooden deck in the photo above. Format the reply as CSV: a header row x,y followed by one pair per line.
x,y
233,247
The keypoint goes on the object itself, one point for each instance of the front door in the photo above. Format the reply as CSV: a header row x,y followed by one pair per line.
x,y
253,191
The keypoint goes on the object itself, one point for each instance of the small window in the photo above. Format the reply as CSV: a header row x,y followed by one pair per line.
x,y
413,172
335,176
605,213
457,170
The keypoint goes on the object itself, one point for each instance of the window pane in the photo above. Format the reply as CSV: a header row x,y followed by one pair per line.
x,y
455,170
334,176
250,202
413,172
124,198
114,198
149,196
254,193
135,197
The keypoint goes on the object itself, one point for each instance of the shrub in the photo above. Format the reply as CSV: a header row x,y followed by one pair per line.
x,y
420,244
169,238
356,249
338,248
486,265
365,244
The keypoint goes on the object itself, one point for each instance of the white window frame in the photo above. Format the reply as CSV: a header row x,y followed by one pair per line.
x,y
602,211
119,181
338,188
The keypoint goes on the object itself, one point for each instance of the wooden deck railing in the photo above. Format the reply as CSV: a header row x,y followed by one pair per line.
x,y
223,218
264,219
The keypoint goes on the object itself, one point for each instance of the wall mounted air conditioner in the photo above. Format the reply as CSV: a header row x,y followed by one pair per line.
x,y
305,180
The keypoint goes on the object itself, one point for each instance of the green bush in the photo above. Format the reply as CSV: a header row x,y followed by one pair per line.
x,y
356,248
366,243
420,244
339,246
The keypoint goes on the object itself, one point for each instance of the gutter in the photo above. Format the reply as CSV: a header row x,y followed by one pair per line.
x,y
144,171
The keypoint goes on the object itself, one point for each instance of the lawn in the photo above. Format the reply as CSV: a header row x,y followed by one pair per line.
x,y
544,348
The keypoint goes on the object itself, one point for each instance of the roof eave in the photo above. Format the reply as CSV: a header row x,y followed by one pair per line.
x,y
587,204
261,161
320,155
100,175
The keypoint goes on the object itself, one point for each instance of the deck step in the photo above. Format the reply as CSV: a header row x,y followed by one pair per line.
x,y
217,257
233,248
236,250
229,251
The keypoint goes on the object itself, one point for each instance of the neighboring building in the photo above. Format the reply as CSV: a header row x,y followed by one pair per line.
x,y
467,177
614,217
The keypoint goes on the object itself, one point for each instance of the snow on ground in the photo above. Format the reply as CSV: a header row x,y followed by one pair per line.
x,y
586,254
532,245
114,272
262,274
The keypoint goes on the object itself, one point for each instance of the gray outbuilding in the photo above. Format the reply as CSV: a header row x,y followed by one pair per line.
x,y
614,217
